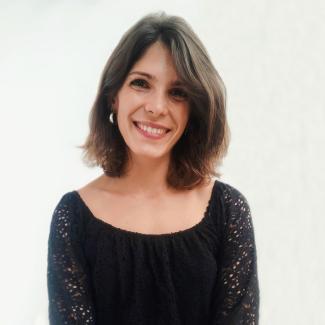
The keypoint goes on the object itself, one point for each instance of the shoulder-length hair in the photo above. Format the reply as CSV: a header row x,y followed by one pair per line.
x,y
197,155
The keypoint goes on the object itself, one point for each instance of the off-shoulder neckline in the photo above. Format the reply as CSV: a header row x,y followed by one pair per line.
x,y
132,233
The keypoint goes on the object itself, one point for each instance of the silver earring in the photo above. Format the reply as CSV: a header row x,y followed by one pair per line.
x,y
111,117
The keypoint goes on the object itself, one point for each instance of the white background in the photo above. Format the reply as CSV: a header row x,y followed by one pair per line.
x,y
270,55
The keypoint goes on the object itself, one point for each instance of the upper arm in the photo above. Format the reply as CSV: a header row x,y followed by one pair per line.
x,y
237,300
69,291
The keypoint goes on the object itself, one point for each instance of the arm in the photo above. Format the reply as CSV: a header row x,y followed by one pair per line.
x,y
237,300
67,277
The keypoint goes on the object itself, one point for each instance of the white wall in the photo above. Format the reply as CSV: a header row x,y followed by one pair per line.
x,y
270,55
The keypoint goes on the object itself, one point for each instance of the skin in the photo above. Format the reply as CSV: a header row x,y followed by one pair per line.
x,y
144,190
156,100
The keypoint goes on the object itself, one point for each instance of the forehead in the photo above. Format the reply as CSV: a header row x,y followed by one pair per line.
x,y
156,63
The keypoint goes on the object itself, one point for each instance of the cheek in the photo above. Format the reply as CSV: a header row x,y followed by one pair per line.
x,y
131,100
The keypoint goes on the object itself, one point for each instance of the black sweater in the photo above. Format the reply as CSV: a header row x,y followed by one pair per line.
x,y
104,275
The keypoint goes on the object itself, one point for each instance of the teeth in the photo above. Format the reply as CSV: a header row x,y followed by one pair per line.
x,y
150,129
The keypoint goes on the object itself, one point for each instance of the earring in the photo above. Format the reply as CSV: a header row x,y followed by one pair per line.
x,y
111,117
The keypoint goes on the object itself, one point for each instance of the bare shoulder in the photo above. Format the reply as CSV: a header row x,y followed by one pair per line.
x,y
108,185
95,186
207,188
91,192
172,212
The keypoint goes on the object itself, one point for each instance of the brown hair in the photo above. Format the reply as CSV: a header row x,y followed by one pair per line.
x,y
199,152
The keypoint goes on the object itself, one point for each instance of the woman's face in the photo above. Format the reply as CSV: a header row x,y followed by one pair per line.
x,y
150,93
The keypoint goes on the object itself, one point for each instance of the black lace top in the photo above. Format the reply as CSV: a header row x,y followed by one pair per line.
x,y
104,275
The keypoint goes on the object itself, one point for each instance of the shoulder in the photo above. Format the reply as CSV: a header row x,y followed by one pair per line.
x,y
237,219
64,215
236,204
66,203
233,195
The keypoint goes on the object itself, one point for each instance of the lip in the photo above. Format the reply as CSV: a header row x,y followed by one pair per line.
x,y
153,125
149,135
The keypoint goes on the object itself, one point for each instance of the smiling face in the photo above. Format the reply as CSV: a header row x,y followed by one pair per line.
x,y
151,93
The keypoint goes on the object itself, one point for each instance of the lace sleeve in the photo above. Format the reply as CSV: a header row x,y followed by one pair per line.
x,y
67,280
237,300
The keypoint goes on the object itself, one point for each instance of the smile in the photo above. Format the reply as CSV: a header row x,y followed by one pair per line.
x,y
152,133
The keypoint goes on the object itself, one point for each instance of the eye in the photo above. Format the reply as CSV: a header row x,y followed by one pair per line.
x,y
139,83
177,92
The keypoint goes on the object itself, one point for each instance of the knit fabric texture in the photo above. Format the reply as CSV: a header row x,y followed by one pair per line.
x,y
100,274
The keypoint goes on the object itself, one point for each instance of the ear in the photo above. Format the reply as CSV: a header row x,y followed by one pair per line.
x,y
115,104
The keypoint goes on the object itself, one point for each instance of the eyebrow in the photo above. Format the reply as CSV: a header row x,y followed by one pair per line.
x,y
149,76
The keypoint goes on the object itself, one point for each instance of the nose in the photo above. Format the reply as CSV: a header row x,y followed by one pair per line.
x,y
157,104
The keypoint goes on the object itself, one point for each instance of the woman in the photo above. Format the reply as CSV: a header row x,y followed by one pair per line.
x,y
154,239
